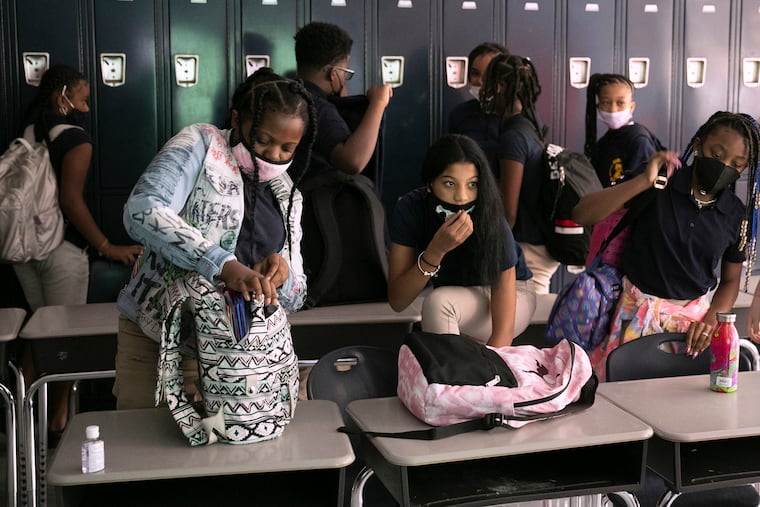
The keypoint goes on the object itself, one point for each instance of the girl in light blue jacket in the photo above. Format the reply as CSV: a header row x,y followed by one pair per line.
x,y
219,202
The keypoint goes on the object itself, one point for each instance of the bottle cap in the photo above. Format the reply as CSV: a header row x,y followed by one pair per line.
x,y
726,317
92,432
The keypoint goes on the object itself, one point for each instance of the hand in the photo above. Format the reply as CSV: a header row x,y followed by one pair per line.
x,y
668,158
274,268
753,317
126,254
248,282
454,231
380,95
698,337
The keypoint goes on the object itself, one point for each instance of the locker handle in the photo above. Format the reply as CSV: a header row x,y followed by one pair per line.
x,y
35,65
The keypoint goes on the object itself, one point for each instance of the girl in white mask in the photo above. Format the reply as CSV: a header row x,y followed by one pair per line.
x,y
622,152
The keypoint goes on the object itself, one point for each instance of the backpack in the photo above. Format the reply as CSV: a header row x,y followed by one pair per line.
x,y
567,176
344,240
249,385
457,384
31,222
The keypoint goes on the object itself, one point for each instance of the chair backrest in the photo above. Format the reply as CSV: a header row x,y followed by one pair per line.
x,y
662,355
353,373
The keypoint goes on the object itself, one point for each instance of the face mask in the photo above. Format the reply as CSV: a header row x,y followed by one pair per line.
x,y
268,170
614,120
77,117
243,157
475,91
712,175
444,209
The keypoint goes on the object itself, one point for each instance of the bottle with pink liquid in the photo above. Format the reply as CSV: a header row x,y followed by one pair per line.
x,y
724,355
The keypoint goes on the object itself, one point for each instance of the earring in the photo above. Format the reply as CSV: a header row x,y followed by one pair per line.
x,y
63,110
696,153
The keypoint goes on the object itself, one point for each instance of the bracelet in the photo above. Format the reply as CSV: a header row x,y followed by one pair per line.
x,y
427,274
102,246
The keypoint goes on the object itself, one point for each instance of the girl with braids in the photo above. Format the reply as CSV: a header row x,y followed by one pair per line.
x,y
510,90
63,277
624,150
452,232
693,225
219,202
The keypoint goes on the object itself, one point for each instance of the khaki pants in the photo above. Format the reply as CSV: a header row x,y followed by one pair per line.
x,y
137,369
541,264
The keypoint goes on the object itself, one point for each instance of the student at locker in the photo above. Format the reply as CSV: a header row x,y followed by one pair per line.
x,y
468,118
62,278
510,90
694,225
626,147
444,234
323,53
216,201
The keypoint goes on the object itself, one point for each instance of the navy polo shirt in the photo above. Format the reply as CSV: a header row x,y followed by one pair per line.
x,y
412,226
468,119
519,142
623,153
675,248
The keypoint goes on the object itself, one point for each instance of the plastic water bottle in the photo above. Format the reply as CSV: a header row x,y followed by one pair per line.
x,y
93,451
724,355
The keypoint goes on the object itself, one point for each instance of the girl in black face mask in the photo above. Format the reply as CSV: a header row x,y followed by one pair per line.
x,y
692,227
452,233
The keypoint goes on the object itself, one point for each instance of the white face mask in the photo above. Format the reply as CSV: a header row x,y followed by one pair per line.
x,y
475,91
614,120
268,170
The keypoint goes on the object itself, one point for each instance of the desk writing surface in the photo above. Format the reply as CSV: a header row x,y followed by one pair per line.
x,y
363,313
147,444
10,323
603,423
72,320
684,409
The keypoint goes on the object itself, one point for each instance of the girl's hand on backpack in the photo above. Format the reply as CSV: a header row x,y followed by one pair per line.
x,y
126,254
274,268
248,282
454,231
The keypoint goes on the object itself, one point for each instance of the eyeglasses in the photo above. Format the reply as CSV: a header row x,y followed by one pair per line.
x,y
348,72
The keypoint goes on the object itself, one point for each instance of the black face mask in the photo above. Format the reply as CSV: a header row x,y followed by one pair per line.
x,y
444,210
77,117
712,175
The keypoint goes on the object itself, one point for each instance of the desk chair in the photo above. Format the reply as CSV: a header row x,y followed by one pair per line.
x,y
653,357
354,373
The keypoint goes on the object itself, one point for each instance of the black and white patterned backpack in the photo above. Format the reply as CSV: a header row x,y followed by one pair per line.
x,y
249,387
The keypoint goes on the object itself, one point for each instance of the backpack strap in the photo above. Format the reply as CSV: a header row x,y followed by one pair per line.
x,y
59,129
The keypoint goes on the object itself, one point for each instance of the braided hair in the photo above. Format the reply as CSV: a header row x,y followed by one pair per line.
x,y
595,84
749,129
511,78
266,92
52,82
489,240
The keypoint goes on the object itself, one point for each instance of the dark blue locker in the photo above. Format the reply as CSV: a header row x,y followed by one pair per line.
x,y
351,16
590,49
406,32
531,31
649,49
268,31
199,62
749,58
9,89
705,63
463,29
127,123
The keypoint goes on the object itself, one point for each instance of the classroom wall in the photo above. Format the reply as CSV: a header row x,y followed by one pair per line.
x,y
695,54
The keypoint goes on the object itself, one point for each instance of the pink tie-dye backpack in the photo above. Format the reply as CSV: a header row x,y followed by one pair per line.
x,y
451,380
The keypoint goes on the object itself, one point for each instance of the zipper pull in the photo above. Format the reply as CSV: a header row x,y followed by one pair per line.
x,y
493,381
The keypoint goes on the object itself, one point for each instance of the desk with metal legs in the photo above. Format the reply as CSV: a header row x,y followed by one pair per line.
x,y
703,439
598,450
149,462
69,342
11,320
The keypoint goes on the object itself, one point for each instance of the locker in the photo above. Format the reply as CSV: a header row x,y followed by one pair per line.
x,y
200,62
404,31
8,122
590,49
463,29
749,59
127,124
531,32
650,41
268,31
704,66
351,16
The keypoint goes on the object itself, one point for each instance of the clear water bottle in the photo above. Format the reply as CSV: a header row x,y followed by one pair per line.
x,y
93,451
724,355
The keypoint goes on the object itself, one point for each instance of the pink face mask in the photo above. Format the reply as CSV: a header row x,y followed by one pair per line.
x,y
268,170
